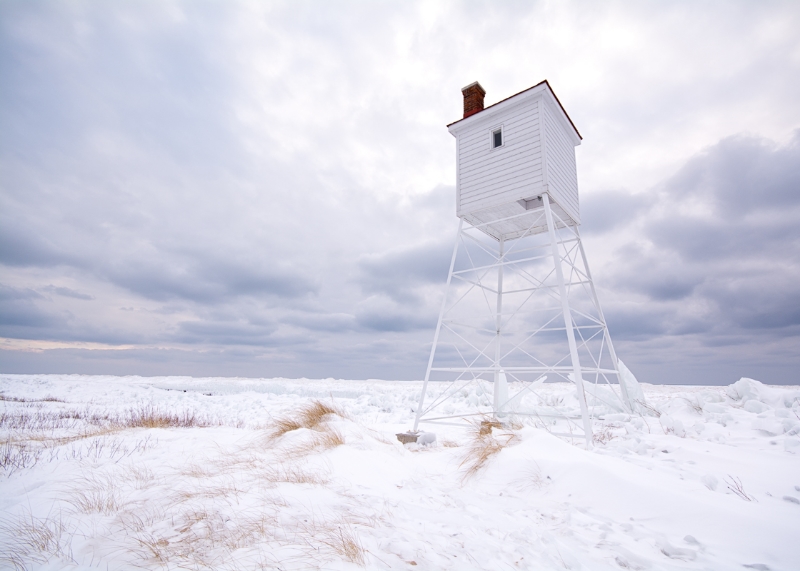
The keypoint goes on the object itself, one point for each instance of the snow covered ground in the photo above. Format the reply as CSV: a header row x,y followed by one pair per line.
x,y
181,473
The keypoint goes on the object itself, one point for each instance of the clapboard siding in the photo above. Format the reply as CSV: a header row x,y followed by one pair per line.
x,y
528,188
562,181
508,163
519,115
538,155
513,135
496,178
515,127
518,141
506,158
488,176
515,179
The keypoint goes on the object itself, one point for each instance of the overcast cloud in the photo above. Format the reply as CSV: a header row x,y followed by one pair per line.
x,y
267,188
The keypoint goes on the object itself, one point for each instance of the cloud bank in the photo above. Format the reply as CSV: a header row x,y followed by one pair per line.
x,y
266,189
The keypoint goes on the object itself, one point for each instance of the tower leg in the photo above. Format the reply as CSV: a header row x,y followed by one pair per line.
x,y
628,402
438,327
573,347
500,389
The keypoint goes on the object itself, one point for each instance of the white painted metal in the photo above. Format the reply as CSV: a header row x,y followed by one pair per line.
x,y
518,240
500,388
573,347
628,399
438,325
552,305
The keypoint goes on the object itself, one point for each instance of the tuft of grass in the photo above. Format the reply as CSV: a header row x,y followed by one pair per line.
x,y
604,435
530,478
142,476
150,416
345,541
230,488
17,456
139,520
291,474
310,416
199,471
324,438
484,428
37,421
96,494
153,547
330,438
339,536
485,444
284,425
35,540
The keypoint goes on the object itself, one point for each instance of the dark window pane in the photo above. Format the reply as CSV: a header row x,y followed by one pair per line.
x,y
498,138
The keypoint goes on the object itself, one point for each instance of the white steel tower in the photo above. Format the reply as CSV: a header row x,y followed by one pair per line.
x,y
520,305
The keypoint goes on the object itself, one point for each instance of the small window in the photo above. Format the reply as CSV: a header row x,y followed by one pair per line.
x,y
497,138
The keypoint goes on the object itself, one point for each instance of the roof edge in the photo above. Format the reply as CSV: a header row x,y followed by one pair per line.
x,y
545,82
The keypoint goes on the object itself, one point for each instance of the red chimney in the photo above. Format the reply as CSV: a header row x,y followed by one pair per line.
x,y
473,98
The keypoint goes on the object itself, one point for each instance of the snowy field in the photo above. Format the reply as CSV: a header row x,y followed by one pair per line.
x,y
181,473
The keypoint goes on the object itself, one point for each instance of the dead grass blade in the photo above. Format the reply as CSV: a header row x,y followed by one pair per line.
x,y
97,493
150,416
338,535
17,456
308,416
735,485
345,541
283,473
485,444
35,540
48,398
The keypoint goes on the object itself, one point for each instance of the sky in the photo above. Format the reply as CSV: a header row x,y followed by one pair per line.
x,y
267,189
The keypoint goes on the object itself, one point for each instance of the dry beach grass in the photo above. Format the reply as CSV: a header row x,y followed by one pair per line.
x,y
488,437
199,525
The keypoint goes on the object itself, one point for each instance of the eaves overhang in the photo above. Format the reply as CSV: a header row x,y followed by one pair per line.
x,y
507,101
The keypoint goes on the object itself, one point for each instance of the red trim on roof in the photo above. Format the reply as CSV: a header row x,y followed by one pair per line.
x,y
545,82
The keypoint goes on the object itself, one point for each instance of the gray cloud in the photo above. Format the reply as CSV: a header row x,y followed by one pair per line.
x,y
723,242
398,273
604,211
390,321
738,199
742,175
241,332
207,280
382,313
267,188
19,311
67,292
638,321
319,321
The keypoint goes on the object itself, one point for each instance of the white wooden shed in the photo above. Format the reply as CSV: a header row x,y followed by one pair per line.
x,y
511,152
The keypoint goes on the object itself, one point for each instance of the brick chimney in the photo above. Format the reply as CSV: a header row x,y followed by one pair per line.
x,y
473,98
